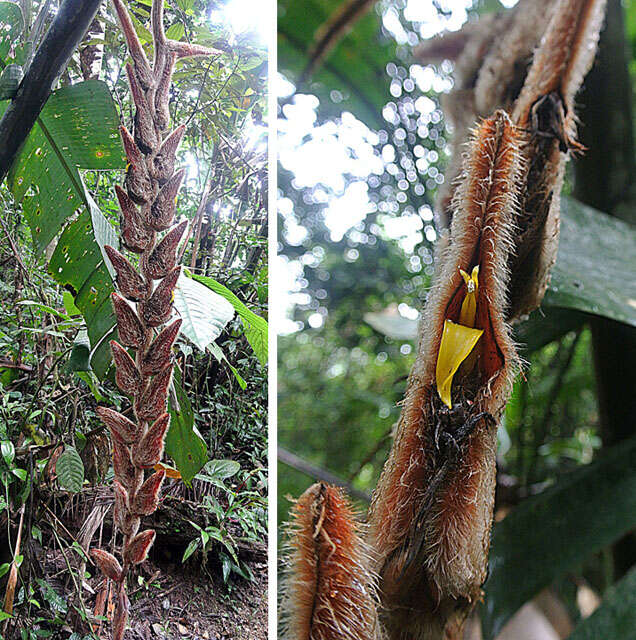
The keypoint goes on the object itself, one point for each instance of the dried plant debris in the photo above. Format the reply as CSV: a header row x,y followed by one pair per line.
x,y
144,300
330,592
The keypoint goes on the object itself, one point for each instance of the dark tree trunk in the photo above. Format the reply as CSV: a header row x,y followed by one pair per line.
x,y
65,33
91,55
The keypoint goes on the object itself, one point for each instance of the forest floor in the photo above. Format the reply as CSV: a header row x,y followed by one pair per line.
x,y
191,604
170,600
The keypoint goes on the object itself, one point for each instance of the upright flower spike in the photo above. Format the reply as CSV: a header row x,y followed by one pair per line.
x,y
145,299
432,510
142,67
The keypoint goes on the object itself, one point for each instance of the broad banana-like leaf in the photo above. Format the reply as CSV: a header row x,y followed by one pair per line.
x,y
255,327
597,256
77,129
203,312
555,531
13,23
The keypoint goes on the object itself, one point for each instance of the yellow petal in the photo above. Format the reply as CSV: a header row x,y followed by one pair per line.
x,y
457,342
171,472
469,305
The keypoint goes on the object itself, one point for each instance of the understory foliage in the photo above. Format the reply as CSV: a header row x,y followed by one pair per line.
x,y
54,355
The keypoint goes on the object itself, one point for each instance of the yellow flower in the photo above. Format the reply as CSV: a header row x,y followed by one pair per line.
x,y
458,340
469,306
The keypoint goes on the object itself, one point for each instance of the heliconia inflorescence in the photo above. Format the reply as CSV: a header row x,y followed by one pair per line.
x,y
330,593
144,302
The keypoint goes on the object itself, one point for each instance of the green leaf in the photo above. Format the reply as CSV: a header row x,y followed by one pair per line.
x,y
69,304
70,470
222,469
356,66
255,327
244,571
8,451
103,230
77,265
36,533
93,384
77,129
11,17
10,79
55,601
222,536
7,376
80,440
217,352
546,325
549,534
184,443
190,549
204,313
4,568
20,474
79,358
185,5
616,617
175,32
44,307
226,565
143,34
595,264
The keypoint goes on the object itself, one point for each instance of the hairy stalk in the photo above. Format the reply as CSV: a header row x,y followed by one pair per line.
x,y
545,111
491,72
148,206
432,510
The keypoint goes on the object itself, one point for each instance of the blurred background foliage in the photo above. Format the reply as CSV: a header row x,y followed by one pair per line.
x,y
363,144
